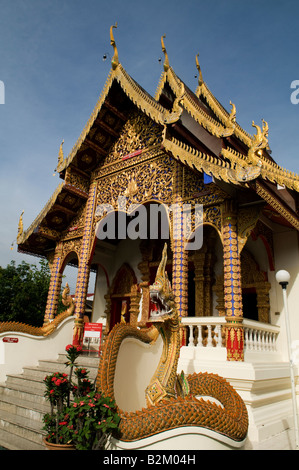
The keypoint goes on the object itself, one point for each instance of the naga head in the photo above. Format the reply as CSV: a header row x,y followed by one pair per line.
x,y
161,295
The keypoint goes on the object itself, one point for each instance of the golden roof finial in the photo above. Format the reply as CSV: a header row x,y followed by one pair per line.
x,y
20,226
166,61
200,79
232,116
60,154
114,60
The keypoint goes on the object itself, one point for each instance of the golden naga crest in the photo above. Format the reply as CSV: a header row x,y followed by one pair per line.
x,y
161,294
259,142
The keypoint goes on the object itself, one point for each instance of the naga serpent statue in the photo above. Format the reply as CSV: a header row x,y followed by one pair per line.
x,y
171,398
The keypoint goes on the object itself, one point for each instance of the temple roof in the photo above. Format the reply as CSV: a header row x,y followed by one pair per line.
x,y
197,130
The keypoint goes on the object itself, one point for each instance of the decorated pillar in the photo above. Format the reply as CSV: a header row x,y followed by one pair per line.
x,y
180,255
199,279
145,282
84,267
54,287
232,285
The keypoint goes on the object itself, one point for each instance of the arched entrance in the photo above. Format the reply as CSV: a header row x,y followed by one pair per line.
x,y
205,267
120,295
129,246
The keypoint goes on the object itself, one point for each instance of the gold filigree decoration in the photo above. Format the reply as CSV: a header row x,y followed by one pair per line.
x,y
151,180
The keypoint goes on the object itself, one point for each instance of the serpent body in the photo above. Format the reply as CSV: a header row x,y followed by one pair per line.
x,y
171,399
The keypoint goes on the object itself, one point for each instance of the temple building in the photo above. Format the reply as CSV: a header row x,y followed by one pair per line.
x,y
178,168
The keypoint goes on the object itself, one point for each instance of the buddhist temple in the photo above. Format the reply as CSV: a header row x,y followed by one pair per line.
x,y
141,159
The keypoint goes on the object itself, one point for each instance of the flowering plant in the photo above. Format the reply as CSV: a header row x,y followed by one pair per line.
x,y
79,415
58,391
93,418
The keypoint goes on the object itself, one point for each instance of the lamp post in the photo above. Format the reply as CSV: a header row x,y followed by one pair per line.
x,y
283,278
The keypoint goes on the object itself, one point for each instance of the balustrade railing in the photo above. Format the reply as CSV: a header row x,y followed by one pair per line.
x,y
210,332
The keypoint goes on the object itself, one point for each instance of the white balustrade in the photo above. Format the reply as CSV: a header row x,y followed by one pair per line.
x,y
210,332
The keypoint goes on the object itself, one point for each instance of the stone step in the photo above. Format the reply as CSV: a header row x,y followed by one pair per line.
x,y
28,384
21,393
20,427
46,368
26,408
10,441
23,405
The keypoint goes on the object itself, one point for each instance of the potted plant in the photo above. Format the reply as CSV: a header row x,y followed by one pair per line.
x,y
79,418
57,392
93,419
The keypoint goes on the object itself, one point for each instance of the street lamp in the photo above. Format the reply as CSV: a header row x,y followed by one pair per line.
x,y
283,278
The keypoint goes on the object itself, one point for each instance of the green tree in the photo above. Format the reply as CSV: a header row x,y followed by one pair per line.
x,y
23,292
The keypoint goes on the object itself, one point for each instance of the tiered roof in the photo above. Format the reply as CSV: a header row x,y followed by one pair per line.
x,y
197,130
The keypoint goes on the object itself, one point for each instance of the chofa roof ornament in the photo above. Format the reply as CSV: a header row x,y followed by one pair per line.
x,y
259,142
200,79
166,61
114,61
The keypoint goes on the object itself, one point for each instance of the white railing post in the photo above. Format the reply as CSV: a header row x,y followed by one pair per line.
x,y
259,337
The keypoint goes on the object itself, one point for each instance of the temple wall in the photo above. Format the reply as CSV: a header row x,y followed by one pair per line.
x,y
127,251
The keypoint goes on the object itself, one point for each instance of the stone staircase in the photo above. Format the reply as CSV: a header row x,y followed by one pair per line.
x,y
22,402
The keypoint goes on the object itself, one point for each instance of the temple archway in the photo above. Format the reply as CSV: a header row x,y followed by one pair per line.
x,y
205,268
120,296
128,246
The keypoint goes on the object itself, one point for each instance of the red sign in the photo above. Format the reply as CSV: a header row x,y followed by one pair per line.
x,y
6,339
133,154
93,330
92,336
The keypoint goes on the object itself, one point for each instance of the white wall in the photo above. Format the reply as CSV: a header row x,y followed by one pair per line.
x,y
127,251
29,349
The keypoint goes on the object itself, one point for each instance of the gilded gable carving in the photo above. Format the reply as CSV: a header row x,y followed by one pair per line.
x,y
138,133
151,180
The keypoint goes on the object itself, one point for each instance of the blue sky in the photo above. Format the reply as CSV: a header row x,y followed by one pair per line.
x,y
52,69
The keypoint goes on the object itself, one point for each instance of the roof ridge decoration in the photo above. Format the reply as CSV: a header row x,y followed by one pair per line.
x,y
60,158
23,235
267,169
20,227
199,161
259,142
185,100
166,60
133,90
226,118
115,60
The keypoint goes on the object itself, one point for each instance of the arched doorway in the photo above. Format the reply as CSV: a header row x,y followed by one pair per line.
x,y
205,265
120,295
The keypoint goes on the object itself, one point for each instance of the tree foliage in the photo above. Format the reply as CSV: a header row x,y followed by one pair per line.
x,y
23,292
